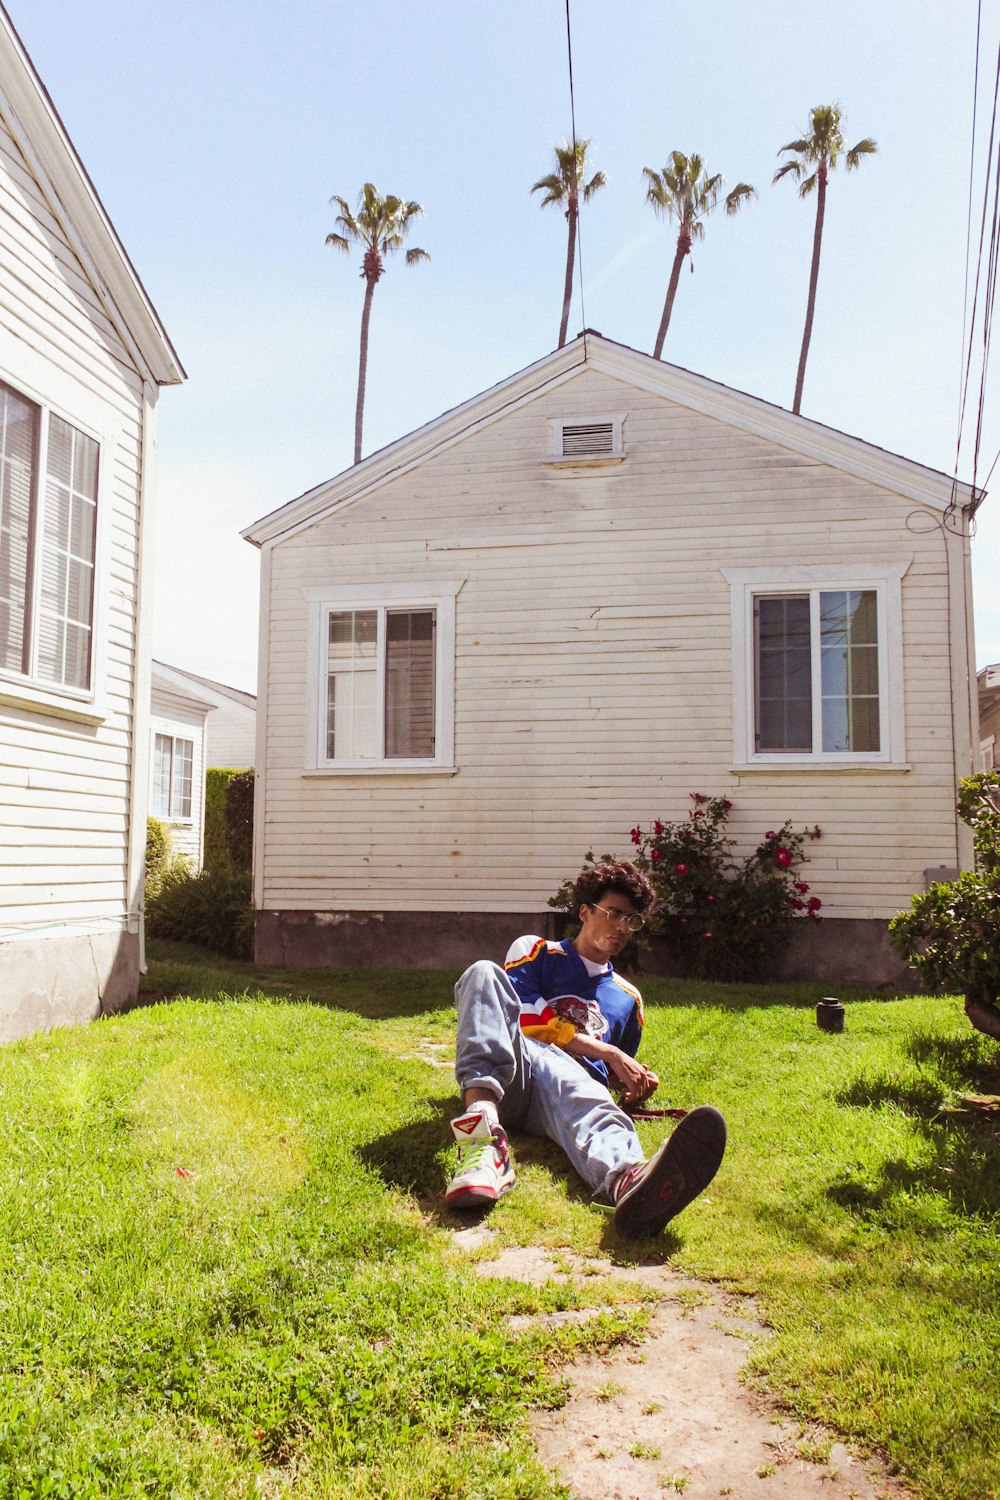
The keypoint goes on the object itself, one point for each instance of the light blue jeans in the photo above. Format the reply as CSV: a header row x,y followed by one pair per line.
x,y
538,1087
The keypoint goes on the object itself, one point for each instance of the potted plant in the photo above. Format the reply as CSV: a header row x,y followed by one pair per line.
x,y
951,934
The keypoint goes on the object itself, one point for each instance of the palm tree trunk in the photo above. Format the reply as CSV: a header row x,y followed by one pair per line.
x,y
571,214
813,283
359,413
683,246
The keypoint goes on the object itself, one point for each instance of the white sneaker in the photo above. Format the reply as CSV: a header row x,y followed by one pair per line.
x,y
484,1170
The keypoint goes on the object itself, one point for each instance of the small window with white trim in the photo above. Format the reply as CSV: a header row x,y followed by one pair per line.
x,y
48,545
383,684
817,666
173,777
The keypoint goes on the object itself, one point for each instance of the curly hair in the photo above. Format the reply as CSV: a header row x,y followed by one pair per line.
x,y
596,880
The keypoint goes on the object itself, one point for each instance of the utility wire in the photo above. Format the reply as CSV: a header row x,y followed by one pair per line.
x,y
579,216
991,190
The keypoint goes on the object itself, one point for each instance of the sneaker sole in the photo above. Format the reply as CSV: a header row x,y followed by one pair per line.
x,y
682,1169
475,1197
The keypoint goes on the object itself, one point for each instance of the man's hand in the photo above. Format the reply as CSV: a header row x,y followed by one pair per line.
x,y
637,1081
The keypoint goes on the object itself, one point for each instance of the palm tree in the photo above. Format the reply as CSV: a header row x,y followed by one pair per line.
x,y
684,191
380,225
565,186
814,157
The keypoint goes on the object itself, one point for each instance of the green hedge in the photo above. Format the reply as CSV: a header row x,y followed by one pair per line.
x,y
228,820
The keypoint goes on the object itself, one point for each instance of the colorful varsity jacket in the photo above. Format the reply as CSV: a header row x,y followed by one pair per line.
x,y
560,997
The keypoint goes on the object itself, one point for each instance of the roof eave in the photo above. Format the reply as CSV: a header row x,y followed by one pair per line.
x,y
77,204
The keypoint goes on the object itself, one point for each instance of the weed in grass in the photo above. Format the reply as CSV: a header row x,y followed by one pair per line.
x,y
677,1482
644,1450
766,1470
608,1390
652,1408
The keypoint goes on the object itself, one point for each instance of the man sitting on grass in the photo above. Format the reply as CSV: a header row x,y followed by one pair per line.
x,y
541,1043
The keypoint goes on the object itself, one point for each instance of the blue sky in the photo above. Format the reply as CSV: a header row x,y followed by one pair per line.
x,y
216,133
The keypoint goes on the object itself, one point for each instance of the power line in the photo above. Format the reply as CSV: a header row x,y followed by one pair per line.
x,y
579,216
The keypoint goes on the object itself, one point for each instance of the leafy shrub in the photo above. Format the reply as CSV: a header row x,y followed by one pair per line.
x,y
724,917
216,857
159,849
239,819
951,934
212,909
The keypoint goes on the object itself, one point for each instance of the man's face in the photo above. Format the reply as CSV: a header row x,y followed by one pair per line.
x,y
604,927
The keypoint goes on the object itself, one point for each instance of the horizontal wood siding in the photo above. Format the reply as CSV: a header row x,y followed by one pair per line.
x,y
232,732
594,666
64,786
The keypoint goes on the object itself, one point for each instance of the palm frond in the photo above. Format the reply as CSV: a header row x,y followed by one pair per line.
x,y
552,186
795,168
808,185
598,181
415,255
867,147
339,242
741,194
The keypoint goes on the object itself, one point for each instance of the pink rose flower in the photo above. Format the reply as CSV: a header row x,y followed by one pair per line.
x,y
783,857
681,869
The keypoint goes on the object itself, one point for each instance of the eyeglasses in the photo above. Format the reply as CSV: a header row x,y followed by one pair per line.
x,y
629,919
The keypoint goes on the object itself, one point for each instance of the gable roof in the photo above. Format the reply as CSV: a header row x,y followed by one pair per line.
x,y
34,123
164,686
591,350
178,677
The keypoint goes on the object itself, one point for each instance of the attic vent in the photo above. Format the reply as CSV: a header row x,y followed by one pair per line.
x,y
588,439
592,442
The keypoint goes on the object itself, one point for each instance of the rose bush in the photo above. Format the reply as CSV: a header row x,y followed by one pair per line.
x,y
725,917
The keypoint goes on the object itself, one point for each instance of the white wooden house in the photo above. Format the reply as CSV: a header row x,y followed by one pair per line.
x,y
82,358
232,727
178,746
558,610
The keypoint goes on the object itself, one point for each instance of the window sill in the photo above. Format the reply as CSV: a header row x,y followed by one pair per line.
x,y
381,769
46,701
836,767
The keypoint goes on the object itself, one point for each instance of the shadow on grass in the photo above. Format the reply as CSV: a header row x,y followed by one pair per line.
x,y
415,1159
181,971
961,1130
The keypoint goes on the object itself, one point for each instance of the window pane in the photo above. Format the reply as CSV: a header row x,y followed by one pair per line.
x,y
162,758
783,674
850,670
351,718
180,800
68,555
18,443
409,684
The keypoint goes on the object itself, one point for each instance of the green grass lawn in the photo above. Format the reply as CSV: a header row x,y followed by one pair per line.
x,y
225,1272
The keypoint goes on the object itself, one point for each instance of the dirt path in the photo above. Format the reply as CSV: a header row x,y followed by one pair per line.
x,y
671,1415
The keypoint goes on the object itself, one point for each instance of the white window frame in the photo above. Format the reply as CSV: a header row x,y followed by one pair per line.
x,y
987,753
439,596
885,580
37,383
557,457
185,819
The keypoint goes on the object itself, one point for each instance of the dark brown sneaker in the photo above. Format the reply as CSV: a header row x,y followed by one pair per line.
x,y
650,1194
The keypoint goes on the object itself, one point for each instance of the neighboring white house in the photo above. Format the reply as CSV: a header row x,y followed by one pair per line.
x,y
82,358
232,728
989,718
177,760
558,610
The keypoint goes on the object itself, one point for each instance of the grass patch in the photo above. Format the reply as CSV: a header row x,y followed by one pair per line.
x,y
223,1271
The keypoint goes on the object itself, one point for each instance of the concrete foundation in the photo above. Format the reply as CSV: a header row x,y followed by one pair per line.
x,y
64,980
833,951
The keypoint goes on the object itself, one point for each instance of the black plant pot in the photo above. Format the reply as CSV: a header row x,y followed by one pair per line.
x,y
830,1014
